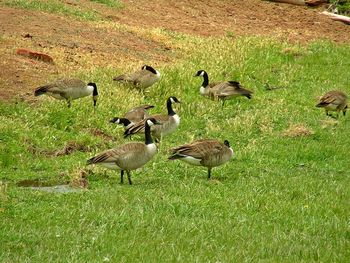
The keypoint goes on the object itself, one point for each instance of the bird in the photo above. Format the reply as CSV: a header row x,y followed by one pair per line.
x,y
205,152
169,123
141,79
129,156
221,90
68,89
334,100
134,115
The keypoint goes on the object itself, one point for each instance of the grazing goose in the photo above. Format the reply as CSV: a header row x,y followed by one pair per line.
x,y
169,122
221,90
334,100
129,156
142,79
133,115
68,89
208,153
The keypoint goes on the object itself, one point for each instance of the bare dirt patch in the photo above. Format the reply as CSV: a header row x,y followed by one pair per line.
x,y
76,45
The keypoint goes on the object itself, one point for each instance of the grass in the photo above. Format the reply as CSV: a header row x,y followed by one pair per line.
x,y
283,198
56,7
342,6
110,3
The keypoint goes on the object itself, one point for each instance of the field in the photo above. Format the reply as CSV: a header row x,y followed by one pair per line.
x,y
285,197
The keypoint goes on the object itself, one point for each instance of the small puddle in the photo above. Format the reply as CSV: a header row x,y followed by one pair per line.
x,y
47,186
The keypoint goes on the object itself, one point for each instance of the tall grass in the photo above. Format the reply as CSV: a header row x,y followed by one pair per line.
x,y
282,199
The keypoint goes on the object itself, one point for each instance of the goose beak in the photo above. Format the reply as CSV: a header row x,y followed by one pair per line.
x,y
157,123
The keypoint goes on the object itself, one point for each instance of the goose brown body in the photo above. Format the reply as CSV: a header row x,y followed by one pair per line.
x,y
207,152
334,100
221,90
142,79
138,113
129,156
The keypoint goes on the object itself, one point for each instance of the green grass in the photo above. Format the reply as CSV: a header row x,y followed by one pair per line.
x,y
343,6
54,6
110,3
282,199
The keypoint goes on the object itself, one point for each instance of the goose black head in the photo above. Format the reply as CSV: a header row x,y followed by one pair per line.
x,y
200,73
173,99
226,142
152,121
94,92
123,121
149,68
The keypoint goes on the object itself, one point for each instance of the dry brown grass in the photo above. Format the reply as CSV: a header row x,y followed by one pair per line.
x,y
298,130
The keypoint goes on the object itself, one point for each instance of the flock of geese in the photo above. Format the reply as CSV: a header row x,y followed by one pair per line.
x,y
131,156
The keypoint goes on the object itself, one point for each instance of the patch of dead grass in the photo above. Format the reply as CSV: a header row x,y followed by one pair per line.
x,y
298,130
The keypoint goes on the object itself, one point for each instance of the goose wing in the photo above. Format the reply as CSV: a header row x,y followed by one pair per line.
x,y
119,154
332,97
232,88
138,113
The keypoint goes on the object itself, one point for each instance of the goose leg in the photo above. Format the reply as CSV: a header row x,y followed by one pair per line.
x,y
121,176
223,102
129,177
209,173
68,103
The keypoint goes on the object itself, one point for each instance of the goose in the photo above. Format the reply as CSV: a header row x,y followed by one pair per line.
x,y
169,122
129,156
334,100
134,115
68,89
221,90
141,79
206,152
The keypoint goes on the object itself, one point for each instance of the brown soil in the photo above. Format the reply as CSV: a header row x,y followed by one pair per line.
x,y
75,45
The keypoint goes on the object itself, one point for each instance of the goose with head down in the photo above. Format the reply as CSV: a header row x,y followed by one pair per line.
x,y
133,116
68,89
334,100
141,79
207,152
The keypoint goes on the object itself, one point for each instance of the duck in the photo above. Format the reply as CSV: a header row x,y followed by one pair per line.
x,y
133,116
129,156
141,79
170,122
205,152
221,90
334,100
68,89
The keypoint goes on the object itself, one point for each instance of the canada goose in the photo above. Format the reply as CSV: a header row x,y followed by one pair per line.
x,y
68,89
134,115
129,156
208,153
142,79
221,90
169,122
334,100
